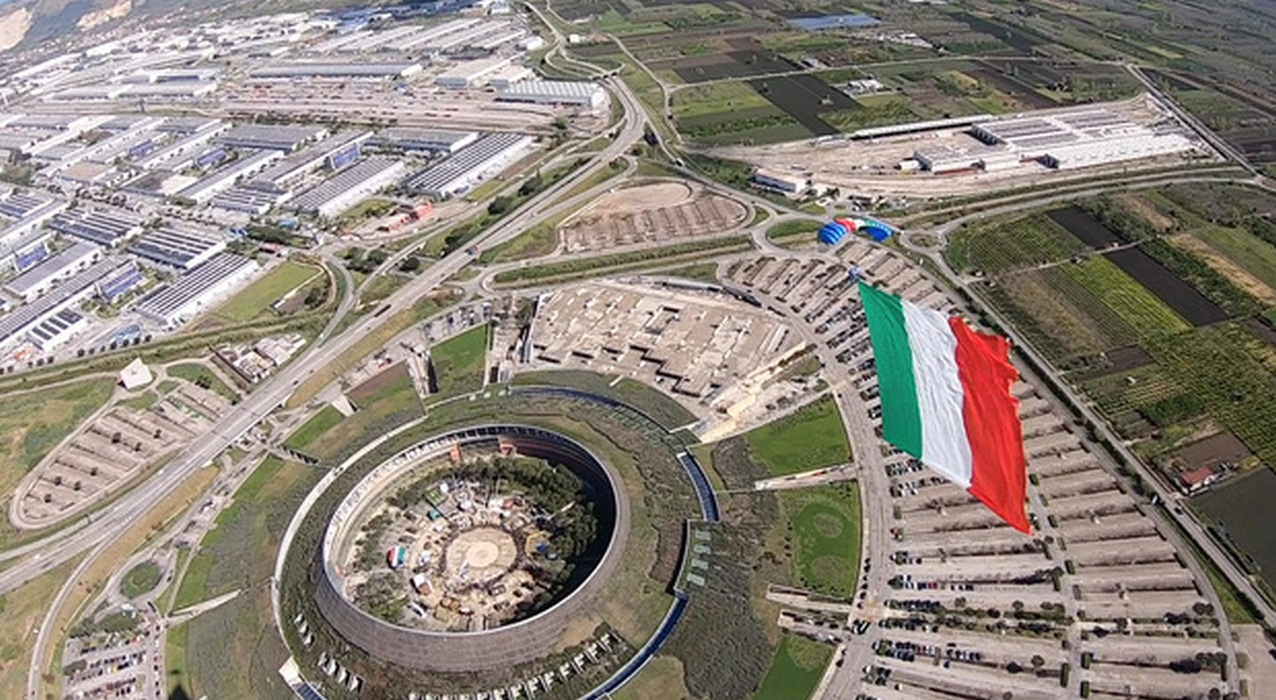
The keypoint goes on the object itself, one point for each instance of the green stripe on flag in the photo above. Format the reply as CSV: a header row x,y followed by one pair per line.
x,y
901,416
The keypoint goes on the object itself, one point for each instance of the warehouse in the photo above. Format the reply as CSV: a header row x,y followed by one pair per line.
x,y
30,211
509,76
181,153
338,71
247,200
38,280
106,227
471,73
57,329
555,92
27,250
1081,137
781,182
485,157
944,159
271,136
63,296
424,36
288,171
224,179
348,187
180,249
432,140
463,38
191,125
176,303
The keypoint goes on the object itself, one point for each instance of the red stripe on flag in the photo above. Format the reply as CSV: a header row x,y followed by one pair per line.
x,y
993,429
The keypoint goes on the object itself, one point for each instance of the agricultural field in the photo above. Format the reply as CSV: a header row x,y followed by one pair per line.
x,y
1241,510
1124,296
799,663
808,438
459,362
1026,242
256,300
826,538
1248,124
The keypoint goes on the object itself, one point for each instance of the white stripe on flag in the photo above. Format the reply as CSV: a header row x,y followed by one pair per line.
x,y
939,394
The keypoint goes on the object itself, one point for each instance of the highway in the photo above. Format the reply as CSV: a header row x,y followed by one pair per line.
x,y
110,522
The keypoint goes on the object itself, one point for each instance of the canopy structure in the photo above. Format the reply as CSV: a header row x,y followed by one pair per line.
x,y
837,230
946,400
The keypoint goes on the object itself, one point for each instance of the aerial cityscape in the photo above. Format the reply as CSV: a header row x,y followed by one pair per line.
x,y
636,349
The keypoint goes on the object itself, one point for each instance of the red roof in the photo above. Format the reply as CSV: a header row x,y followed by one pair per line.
x,y
1196,476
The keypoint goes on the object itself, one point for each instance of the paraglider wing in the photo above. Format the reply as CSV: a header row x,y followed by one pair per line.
x,y
946,400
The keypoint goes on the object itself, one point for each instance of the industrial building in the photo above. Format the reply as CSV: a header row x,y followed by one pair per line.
x,y
335,152
57,329
503,79
183,250
348,187
781,182
471,73
337,71
38,280
488,155
243,199
63,296
173,304
424,36
180,154
432,140
120,281
1081,137
27,250
275,137
102,226
227,177
555,92
28,212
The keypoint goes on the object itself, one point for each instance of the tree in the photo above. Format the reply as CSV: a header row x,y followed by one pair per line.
x,y
410,264
1038,661
115,438
499,206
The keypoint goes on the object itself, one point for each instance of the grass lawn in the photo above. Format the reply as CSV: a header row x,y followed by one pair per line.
x,y
385,404
140,580
200,375
1244,249
313,428
21,611
794,227
396,324
459,362
716,99
32,424
660,678
798,666
809,438
666,412
175,659
239,554
256,299
826,532
702,272
380,287
537,241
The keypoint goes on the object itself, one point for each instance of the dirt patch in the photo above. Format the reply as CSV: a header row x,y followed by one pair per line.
x,y
665,212
1144,209
13,28
1214,450
1251,284
379,383
1035,296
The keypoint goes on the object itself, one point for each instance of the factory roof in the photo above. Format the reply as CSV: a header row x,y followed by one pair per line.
x,y
49,268
424,139
175,247
32,313
463,162
552,88
335,70
346,180
101,226
273,136
170,298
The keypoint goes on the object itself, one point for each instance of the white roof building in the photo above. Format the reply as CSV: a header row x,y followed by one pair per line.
x,y
556,92
136,374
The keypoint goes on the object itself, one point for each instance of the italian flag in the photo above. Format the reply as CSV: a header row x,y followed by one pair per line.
x,y
946,400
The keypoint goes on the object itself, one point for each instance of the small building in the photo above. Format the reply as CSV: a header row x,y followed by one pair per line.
x,y
781,182
1196,480
555,92
136,374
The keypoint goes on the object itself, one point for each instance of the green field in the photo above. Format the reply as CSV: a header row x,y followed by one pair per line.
x,y
199,375
809,438
1021,243
391,403
1243,248
459,362
715,99
140,579
313,428
668,413
257,298
793,228
826,534
239,554
616,262
33,423
1131,301
796,670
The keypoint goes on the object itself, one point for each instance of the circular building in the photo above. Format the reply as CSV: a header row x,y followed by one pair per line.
x,y
472,557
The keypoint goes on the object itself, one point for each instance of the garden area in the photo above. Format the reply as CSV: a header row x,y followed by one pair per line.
x,y
809,438
459,363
